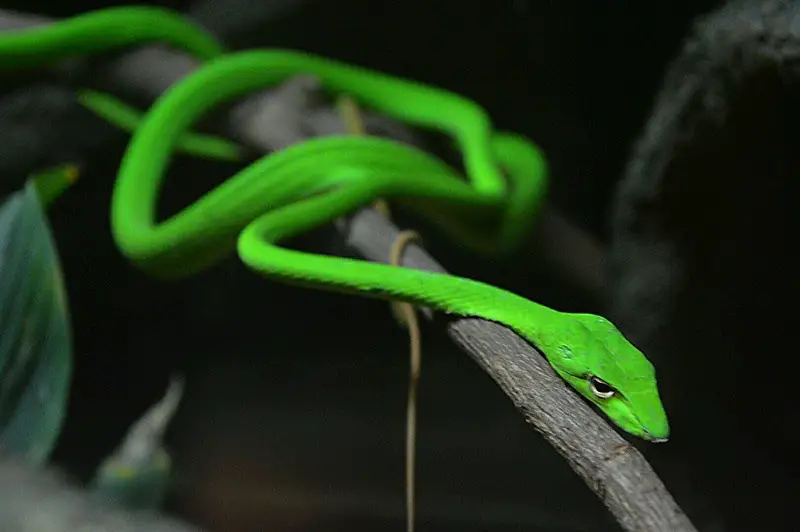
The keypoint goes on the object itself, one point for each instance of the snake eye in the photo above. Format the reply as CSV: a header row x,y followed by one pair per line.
x,y
600,388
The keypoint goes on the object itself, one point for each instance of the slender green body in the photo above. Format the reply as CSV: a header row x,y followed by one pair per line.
x,y
311,184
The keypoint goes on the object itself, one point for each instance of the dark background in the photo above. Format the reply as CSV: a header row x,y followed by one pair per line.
x,y
294,413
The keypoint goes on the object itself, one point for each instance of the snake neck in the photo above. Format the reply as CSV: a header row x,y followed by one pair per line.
x,y
440,292
469,298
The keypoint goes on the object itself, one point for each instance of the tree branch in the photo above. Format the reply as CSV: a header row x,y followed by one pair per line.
x,y
612,467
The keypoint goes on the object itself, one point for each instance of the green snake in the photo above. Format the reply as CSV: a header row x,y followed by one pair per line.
x,y
490,208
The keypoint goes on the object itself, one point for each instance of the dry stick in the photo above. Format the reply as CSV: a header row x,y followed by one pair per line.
x,y
613,468
617,473
404,314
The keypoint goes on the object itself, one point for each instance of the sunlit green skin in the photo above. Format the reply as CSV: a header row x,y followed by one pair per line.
x,y
313,183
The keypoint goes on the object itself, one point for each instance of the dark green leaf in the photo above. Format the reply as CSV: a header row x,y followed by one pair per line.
x,y
35,339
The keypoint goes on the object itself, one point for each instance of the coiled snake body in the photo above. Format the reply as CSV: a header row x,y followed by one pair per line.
x,y
312,183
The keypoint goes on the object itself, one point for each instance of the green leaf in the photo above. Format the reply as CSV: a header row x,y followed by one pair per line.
x,y
35,338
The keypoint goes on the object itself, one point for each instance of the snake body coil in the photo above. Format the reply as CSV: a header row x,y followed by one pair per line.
x,y
312,183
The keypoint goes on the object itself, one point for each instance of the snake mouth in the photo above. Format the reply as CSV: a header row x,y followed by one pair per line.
x,y
652,438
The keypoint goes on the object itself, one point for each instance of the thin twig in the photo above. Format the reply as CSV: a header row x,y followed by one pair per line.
x,y
612,468
405,315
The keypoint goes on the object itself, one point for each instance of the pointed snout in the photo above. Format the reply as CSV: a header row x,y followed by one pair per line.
x,y
651,417
657,429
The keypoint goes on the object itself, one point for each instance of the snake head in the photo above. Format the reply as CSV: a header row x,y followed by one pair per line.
x,y
611,373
